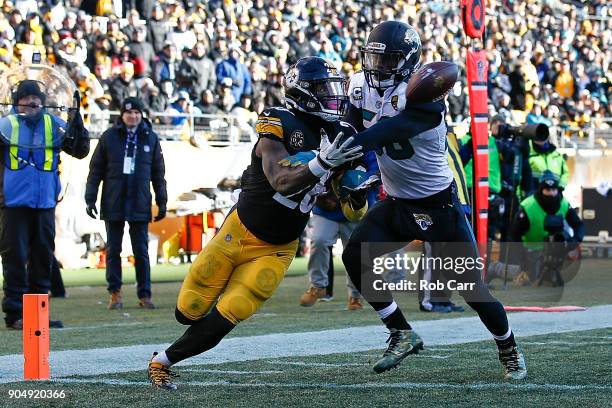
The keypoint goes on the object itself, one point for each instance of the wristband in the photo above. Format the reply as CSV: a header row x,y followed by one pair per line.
x,y
316,167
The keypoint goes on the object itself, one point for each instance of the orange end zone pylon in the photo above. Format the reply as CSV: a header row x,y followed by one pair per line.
x,y
36,337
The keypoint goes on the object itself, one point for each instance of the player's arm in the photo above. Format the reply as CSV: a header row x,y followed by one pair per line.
x,y
287,179
408,123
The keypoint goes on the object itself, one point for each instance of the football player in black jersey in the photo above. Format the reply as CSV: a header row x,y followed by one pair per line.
x,y
245,262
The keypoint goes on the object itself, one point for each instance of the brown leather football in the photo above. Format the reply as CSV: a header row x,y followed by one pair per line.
x,y
431,82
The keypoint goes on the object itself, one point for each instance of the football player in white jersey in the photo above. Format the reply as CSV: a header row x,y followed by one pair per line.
x,y
422,203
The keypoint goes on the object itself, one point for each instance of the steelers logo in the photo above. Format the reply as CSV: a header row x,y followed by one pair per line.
x,y
291,78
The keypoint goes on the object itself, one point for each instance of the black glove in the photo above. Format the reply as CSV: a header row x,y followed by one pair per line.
x,y
92,211
161,214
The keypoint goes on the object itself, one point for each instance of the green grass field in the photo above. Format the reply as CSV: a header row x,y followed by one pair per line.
x,y
567,370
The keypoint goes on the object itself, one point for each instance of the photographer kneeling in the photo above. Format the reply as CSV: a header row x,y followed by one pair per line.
x,y
543,218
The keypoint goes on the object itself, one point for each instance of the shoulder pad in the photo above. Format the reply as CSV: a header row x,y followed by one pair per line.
x,y
270,124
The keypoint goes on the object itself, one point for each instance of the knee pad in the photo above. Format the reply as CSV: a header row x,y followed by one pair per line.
x,y
193,304
182,319
237,307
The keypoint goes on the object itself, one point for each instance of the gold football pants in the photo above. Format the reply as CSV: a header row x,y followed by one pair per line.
x,y
238,270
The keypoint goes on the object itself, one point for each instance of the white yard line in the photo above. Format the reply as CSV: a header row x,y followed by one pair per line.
x,y
354,339
233,372
407,386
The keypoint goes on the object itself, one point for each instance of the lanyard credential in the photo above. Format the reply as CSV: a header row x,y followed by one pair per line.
x,y
129,160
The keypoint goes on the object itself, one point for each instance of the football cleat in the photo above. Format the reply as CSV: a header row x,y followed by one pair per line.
x,y
513,361
161,376
401,344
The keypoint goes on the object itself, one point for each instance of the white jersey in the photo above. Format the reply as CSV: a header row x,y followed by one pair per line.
x,y
412,169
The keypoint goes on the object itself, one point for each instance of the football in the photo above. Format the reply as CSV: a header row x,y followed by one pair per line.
x,y
431,82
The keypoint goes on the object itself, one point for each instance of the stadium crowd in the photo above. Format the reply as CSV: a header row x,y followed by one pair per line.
x,y
549,60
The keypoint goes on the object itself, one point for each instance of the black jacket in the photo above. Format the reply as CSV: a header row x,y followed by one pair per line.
x,y
127,197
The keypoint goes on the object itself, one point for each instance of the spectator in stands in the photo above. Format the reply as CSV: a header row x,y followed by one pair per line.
x,y
299,47
243,111
180,109
131,153
231,68
327,51
165,68
142,50
102,72
182,36
207,103
157,28
226,100
123,86
198,71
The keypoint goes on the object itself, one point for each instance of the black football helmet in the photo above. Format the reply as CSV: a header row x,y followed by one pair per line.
x,y
313,85
391,54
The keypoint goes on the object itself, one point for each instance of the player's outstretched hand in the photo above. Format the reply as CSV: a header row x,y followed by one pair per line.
x,y
338,152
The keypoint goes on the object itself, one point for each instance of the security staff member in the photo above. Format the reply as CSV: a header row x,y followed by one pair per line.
x,y
29,151
128,158
529,225
543,156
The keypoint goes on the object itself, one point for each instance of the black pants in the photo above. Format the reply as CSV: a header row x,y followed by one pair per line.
x,y
27,243
436,219
57,282
139,235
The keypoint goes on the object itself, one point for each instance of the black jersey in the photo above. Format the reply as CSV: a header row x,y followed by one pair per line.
x,y
269,215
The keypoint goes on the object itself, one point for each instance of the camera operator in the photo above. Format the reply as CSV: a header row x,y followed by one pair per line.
x,y
543,218
516,178
543,156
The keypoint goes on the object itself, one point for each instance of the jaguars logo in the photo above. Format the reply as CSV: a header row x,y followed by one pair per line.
x,y
423,220
297,140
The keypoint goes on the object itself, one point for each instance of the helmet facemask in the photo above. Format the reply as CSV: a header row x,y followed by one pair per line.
x,y
384,70
325,98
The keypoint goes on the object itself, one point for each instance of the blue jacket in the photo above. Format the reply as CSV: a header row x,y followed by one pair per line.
x,y
237,71
29,175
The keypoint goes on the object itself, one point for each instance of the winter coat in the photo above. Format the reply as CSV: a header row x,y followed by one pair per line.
x,y
127,197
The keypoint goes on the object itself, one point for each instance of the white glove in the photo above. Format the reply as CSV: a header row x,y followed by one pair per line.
x,y
331,155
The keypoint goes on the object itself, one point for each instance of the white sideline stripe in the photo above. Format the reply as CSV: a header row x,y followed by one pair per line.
x,y
119,325
408,385
270,346
437,356
237,372
567,343
305,364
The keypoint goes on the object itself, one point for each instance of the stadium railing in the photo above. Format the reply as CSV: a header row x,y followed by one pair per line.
x,y
228,130
199,129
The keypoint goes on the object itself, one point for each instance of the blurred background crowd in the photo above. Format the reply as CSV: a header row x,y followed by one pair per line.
x,y
549,59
